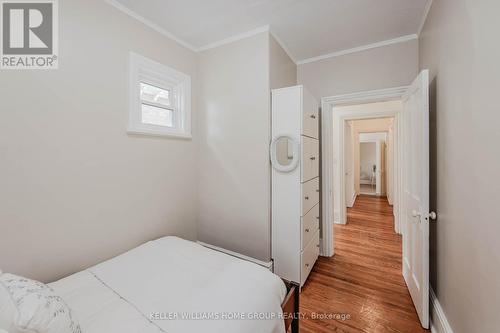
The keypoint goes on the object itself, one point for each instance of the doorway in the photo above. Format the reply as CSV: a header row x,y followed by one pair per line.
x,y
410,187
369,183
369,156
332,127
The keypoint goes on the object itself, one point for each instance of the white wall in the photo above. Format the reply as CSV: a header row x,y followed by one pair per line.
x,y
234,128
282,69
459,44
75,189
385,67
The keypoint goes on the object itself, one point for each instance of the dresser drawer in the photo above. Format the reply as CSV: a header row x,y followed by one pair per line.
x,y
315,160
310,224
310,158
309,257
310,120
310,195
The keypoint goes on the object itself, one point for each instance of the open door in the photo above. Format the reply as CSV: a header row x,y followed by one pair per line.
x,y
379,172
416,194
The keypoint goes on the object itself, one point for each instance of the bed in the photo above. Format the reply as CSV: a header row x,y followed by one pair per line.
x,y
172,285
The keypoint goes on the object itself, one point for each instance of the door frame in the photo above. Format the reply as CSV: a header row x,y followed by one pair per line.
x,y
332,140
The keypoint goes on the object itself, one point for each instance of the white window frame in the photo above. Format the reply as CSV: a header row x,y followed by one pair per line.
x,y
144,70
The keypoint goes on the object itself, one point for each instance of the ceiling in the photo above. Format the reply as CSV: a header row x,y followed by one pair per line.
x,y
306,28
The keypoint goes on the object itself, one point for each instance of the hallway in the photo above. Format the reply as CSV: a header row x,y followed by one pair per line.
x,y
363,280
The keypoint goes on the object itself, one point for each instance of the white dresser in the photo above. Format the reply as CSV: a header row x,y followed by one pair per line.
x,y
295,183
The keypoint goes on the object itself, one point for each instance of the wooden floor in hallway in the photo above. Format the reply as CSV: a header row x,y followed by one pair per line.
x,y
363,279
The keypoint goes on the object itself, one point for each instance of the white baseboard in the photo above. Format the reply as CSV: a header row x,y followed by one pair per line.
x,y
439,323
268,265
350,204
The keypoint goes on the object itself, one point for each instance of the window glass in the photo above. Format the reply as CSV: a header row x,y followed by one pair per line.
x,y
155,95
154,115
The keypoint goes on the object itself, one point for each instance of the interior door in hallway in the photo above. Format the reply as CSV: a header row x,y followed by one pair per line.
x,y
416,194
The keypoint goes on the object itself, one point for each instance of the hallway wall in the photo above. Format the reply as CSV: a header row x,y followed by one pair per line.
x,y
459,44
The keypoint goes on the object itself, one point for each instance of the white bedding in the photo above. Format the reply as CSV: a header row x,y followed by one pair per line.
x,y
152,287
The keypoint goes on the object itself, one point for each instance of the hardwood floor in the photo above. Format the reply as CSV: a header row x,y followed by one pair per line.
x,y
363,279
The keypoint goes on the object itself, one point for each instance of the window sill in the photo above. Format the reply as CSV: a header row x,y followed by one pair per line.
x,y
164,134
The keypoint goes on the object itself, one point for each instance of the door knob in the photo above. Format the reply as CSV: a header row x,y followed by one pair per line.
x,y
433,215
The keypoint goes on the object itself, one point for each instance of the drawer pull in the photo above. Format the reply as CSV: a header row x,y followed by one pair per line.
x,y
317,191
307,265
313,158
317,246
307,198
313,116
307,230
317,217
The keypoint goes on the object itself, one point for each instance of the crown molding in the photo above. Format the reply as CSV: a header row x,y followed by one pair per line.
x,y
424,18
150,24
234,38
262,29
170,35
362,48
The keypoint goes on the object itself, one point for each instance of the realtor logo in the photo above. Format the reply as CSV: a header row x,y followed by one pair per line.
x,y
29,34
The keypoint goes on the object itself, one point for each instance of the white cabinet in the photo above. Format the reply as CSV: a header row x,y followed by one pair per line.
x,y
295,187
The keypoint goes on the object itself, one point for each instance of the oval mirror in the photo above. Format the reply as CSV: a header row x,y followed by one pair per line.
x,y
284,153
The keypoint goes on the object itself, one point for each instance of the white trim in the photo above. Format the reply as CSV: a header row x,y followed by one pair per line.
x,y
257,31
150,24
353,200
234,38
439,322
332,141
380,95
268,265
362,48
187,45
162,134
424,18
327,221
283,46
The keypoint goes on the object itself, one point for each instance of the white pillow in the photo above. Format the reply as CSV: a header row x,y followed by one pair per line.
x,y
30,306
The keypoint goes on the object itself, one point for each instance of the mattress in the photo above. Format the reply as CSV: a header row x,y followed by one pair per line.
x,y
173,285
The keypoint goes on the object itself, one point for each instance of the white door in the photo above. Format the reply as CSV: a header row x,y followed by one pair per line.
x,y
378,168
416,194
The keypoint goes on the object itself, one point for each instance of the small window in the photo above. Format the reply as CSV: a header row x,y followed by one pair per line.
x,y
156,107
160,99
